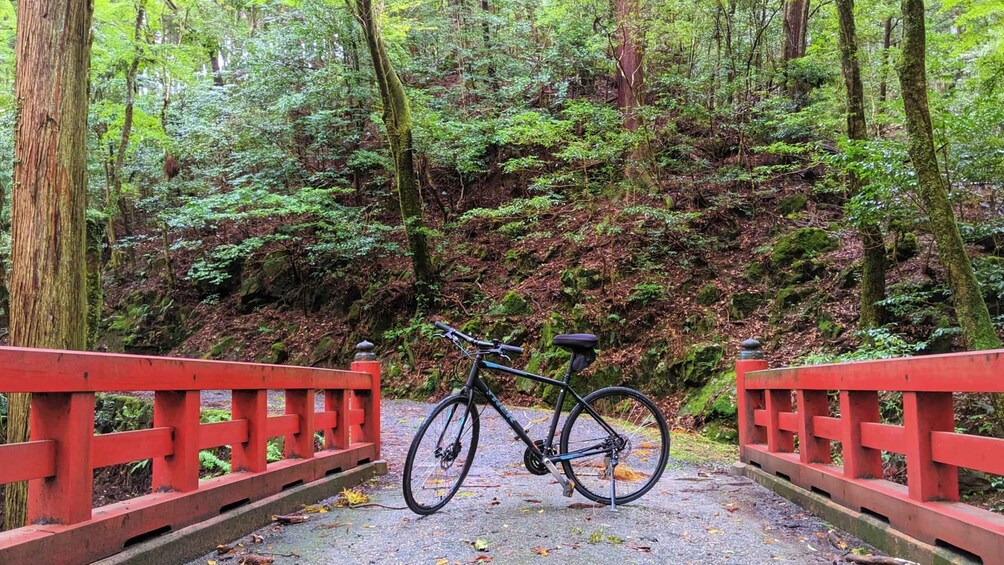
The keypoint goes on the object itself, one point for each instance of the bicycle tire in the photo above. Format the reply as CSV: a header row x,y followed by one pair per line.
x,y
651,425
412,493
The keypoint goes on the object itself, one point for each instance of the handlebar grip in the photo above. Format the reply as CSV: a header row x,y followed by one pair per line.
x,y
512,348
443,327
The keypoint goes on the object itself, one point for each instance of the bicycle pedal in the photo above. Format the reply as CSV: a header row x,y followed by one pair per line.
x,y
569,487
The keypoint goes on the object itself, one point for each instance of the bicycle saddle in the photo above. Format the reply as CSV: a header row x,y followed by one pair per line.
x,y
575,341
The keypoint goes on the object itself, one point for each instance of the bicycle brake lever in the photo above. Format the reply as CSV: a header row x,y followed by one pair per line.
x,y
506,357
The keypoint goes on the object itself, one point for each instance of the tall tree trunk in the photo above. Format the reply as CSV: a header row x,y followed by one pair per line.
x,y
870,233
397,120
970,309
629,53
796,22
214,64
48,290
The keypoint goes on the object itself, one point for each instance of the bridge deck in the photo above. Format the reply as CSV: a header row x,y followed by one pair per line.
x,y
687,518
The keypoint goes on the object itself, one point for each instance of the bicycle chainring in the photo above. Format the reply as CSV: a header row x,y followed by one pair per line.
x,y
532,462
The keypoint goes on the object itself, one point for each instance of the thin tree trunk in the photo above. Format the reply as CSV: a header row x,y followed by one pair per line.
x,y
48,288
629,54
870,233
214,64
970,309
397,120
884,70
796,21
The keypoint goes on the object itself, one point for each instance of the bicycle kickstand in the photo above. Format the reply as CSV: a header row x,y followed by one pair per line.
x,y
613,482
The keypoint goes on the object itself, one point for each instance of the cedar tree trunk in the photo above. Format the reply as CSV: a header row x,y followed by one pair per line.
x,y
48,303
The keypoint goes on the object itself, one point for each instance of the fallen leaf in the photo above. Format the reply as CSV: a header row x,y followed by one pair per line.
x,y
581,505
541,551
481,559
256,538
224,549
252,559
442,562
481,544
614,540
290,519
731,507
352,497
210,562
336,525
641,548
715,531
465,494
596,537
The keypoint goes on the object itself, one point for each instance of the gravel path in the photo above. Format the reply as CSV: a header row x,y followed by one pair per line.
x,y
693,515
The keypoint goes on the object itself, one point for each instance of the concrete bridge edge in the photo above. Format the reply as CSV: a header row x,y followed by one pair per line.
x,y
867,528
197,540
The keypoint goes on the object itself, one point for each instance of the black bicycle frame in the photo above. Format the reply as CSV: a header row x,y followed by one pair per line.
x,y
474,382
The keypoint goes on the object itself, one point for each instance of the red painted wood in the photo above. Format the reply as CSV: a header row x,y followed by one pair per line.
x,y
975,530
954,372
300,404
112,525
884,437
284,425
760,419
42,370
787,421
370,402
337,401
812,448
924,413
125,447
777,439
857,407
325,420
223,433
252,407
973,452
748,402
827,427
67,419
180,411
34,460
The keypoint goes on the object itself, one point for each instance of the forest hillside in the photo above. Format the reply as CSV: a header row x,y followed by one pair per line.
x,y
276,181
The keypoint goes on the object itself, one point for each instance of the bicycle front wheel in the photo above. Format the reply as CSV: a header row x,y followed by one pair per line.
x,y
634,429
441,455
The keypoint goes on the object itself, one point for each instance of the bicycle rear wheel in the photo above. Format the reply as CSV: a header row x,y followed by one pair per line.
x,y
640,439
441,455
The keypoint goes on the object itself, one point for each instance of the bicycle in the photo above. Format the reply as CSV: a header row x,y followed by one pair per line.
x,y
613,438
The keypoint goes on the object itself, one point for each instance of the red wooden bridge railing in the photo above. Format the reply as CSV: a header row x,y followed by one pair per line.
x,y
60,459
840,403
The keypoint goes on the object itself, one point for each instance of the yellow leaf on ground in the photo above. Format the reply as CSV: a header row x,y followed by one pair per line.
x,y
715,531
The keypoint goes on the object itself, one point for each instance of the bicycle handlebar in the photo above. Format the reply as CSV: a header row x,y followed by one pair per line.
x,y
478,342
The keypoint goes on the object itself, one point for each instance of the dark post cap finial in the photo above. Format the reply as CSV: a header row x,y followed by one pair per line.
x,y
364,351
750,350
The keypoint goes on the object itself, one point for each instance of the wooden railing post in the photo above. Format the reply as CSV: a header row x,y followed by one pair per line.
x,y
300,445
252,455
750,359
366,362
68,419
857,406
337,401
812,449
179,410
923,413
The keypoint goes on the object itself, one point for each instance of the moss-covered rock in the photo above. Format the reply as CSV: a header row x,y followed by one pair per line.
x,y
512,304
850,276
715,400
708,295
742,304
803,243
905,247
577,279
119,413
659,373
278,353
220,349
792,204
828,327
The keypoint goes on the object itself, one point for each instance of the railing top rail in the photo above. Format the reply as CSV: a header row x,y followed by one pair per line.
x,y
81,371
979,371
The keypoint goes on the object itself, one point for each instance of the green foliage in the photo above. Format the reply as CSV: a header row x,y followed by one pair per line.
x,y
211,464
644,293
876,343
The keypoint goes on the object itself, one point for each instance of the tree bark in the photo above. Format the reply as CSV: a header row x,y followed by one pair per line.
x,y
884,73
629,54
214,64
873,269
48,299
397,121
796,22
970,309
